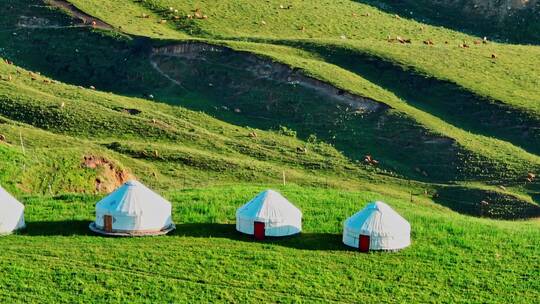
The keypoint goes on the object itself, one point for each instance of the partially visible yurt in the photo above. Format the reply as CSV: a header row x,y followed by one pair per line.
x,y
377,227
133,210
269,214
11,213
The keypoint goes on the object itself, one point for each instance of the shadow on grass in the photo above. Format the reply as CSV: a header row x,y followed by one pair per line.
x,y
304,241
486,203
59,228
519,27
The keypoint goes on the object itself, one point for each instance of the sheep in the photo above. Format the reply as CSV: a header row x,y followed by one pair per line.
x,y
2,137
252,134
370,160
403,40
493,56
198,14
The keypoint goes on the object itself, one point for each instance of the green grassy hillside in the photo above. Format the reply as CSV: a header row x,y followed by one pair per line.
x,y
209,111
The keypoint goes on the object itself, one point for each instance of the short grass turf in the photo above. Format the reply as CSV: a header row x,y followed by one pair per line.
x,y
453,258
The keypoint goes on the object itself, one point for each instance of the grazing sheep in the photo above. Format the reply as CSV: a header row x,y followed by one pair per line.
x,y
493,56
301,150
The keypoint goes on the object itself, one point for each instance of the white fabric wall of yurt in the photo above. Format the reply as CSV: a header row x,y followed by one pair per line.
x,y
134,208
281,218
386,228
11,213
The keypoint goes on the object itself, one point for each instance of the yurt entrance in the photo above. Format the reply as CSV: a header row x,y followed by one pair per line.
x,y
259,230
363,243
107,223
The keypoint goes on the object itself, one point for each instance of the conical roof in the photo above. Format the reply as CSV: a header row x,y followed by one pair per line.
x,y
133,199
378,219
11,212
269,205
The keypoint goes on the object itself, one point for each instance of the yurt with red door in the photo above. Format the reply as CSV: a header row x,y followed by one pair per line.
x,y
377,227
269,214
133,210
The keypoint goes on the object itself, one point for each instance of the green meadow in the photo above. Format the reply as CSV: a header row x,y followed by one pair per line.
x,y
209,111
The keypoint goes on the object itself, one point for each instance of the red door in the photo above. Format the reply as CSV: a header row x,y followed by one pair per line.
x,y
107,223
259,230
363,243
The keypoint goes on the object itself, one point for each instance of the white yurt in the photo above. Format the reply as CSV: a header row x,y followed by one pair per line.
x,y
269,214
377,227
11,213
133,210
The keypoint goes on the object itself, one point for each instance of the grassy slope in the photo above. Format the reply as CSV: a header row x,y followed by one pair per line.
x,y
467,70
512,79
94,122
453,258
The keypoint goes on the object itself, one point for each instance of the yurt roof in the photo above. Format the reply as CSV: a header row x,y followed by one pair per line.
x,y
9,201
132,198
377,218
269,204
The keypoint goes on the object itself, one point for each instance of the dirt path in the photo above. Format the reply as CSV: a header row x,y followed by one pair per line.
x,y
86,19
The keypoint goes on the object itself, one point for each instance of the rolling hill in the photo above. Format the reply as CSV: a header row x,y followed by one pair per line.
x,y
210,102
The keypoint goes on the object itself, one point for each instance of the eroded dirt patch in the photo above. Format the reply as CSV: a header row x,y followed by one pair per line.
x,y
264,68
109,175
